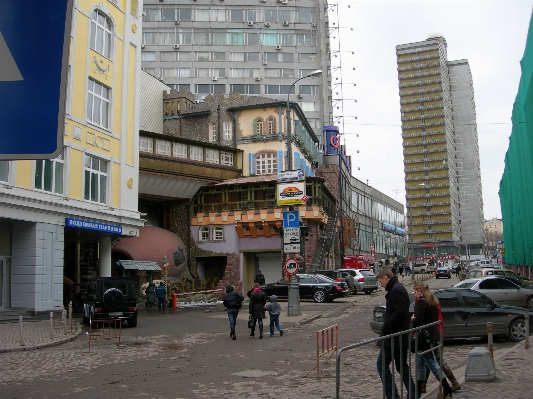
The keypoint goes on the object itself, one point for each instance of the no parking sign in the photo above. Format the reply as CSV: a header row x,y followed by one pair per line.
x,y
291,266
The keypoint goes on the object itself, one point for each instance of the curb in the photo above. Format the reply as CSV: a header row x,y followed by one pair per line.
x,y
319,315
45,345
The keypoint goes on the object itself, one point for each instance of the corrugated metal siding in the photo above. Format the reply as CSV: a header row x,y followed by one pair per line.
x,y
151,103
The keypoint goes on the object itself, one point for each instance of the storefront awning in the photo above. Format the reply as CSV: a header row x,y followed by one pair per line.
x,y
138,265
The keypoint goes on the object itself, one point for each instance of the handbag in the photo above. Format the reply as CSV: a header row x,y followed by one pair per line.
x,y
424,341
251,322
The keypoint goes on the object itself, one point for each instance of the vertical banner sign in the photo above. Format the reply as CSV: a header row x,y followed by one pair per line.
x,y
34,52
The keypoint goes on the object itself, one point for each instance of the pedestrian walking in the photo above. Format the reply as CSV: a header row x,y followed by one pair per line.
x,y
257,309
161,295
407,270
395,319
259,278
457,270
232,302
426,311
274,310
400,269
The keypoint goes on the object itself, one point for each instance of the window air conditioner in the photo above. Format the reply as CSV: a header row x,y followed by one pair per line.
x,y
263,1
176,22
250,23
142,45
214,78
265,63
285,23
257,78
278,47
284,1
313,24
176,46
267,23
300,96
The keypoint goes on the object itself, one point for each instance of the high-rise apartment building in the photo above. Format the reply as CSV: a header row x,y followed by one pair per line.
x,y
255,47
441,155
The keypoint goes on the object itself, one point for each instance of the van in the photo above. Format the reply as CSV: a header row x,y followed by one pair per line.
x,y
485,263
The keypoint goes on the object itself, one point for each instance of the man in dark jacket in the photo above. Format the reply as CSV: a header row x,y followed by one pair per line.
x,y
259,278
161,295
395,319
233,302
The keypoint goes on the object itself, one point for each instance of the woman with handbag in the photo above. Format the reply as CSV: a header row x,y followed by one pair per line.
x,y
257,308
426,311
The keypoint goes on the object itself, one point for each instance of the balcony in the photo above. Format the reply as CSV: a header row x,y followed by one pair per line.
x,y
418,66
421,142
419,100
421,91
418,58
418,178
426,133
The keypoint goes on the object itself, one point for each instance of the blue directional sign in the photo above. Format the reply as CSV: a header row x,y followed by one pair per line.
x,y
34,48
291,219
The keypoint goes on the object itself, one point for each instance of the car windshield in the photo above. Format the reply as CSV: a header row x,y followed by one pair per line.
x,y
466,284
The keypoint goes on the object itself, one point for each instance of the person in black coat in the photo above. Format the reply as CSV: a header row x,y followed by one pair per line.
x,y
259,278
233,302
395,319
257,308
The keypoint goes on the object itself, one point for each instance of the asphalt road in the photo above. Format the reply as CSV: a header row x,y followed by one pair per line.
x,y
189,354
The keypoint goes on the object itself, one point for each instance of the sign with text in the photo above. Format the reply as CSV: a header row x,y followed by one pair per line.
x,y
291,248
291,239
291,193
291,231
91,225
291,175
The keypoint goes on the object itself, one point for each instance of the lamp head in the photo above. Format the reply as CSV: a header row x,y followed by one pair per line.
x,y
318,72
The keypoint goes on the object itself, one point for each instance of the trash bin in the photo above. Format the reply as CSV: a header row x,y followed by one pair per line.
x,y
174,300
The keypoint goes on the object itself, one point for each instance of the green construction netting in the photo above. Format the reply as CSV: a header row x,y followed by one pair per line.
x,y
516,185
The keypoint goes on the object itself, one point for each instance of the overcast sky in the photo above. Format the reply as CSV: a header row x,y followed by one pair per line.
x,y
491,35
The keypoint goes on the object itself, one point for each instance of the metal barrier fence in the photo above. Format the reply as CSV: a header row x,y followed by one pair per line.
x,y
382,340
327,341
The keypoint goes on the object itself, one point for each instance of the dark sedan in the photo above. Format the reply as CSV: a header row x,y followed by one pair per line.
x,y
443,272
317,287
466,313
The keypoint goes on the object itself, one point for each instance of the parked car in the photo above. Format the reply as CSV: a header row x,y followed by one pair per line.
x,y
443,271
420,267
364,280
466,313
339,275
311,286
501,290
110,297
477,273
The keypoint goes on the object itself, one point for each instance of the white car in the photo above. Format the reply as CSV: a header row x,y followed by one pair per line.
x,y
501,290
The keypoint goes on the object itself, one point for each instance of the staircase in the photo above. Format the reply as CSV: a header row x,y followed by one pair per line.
x,y
328,239
12,315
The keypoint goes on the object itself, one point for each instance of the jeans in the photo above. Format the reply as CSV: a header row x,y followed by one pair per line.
x,y
259,322
429,360
232,316
274,320
385,356
161,302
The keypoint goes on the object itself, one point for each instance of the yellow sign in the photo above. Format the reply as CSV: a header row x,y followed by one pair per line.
x,y
291,193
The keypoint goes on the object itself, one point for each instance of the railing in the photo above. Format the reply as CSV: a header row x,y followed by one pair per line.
x,y
327,341
409,332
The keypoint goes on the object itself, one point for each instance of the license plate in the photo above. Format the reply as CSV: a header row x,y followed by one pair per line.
x,y
115,313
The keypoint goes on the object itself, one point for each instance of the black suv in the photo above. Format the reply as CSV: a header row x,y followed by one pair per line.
x,y
110,297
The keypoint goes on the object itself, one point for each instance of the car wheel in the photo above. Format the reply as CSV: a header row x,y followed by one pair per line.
x,y
319,296
113,298
368,292
517,330
132,322
529,302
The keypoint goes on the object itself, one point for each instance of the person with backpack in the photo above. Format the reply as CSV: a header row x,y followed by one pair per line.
x,y
232,302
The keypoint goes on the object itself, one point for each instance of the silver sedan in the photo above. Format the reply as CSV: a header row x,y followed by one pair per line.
x,y
501,290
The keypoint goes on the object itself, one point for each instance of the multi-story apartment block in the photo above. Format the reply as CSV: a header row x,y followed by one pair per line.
x,y
441,156
59,217
258,48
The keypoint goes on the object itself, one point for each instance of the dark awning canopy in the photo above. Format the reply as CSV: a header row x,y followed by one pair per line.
x,y
138,265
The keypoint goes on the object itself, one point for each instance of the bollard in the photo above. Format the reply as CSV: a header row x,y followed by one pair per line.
x,y
64,319
52,325
526,325
491,342
21,339
70,315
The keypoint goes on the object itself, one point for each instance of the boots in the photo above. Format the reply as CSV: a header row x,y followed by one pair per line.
x,y
446,388
252,332
424,382
260,331
419,383
451,377
232,333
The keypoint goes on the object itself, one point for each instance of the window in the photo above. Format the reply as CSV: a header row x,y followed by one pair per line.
x,y
152,14
448,299
184,14
213,133
168,14
150,56
475,299
179,150
185,36
251,37
203,233
236,15
238,57
98,104
309,89
101,33
235,37
49,174
149,38
202,15
218,14
304,72
271,125
95,179
308,106
4,170
146,144
226,158
167,37
162,147
207,89
218,233
196,153
203,56
245,89
279,57
211,156
266,163
304,16
277,89
218,37
201,38
305,39
258,127
307,57
227,131
219,56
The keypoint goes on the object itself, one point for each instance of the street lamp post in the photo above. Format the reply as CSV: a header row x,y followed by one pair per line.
x,y
313,74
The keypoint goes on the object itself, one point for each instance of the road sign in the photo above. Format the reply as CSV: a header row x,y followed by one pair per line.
x,y
291,219
291,248
291,239
34,49
291,231
291,175
291,266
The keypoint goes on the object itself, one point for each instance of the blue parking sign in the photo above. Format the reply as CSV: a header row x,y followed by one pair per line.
x,y
291,219
34,48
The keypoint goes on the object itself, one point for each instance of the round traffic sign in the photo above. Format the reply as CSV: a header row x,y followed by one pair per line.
x,y
291,266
